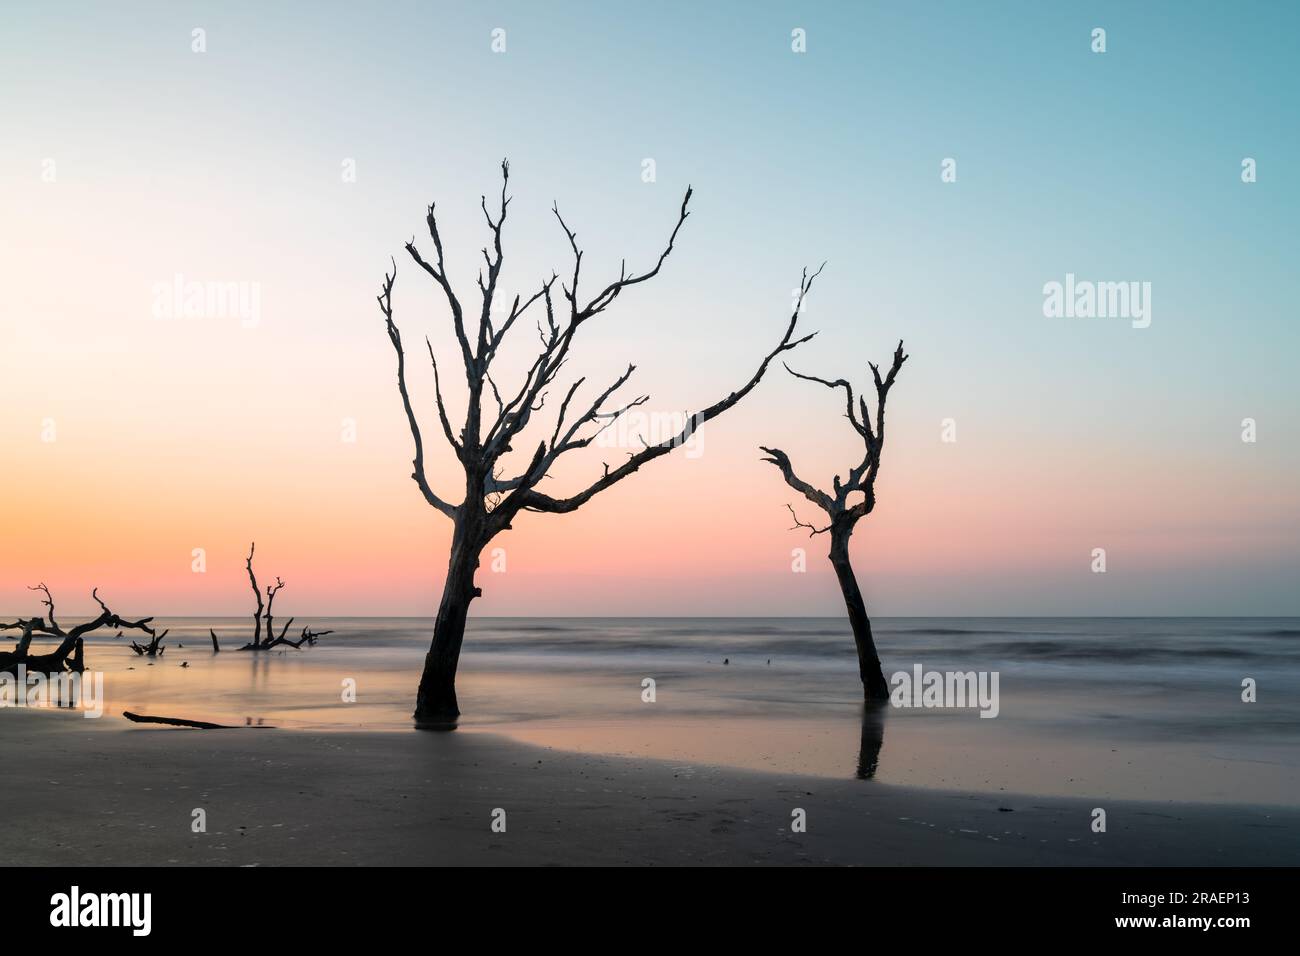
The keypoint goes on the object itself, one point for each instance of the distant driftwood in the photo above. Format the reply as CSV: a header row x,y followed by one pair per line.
x,y
70,654
153,649
262,613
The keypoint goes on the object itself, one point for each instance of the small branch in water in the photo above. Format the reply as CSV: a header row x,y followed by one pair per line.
x,y
153,649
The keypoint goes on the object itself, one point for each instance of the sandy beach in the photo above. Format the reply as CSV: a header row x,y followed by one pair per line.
x,y
108,793
751,721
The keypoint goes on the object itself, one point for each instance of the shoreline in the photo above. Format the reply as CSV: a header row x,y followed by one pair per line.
x,y
784,700
110,794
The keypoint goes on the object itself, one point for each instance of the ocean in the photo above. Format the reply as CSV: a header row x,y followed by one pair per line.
x,y
1117,708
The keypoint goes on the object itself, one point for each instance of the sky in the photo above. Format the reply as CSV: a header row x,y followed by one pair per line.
x,y
296,152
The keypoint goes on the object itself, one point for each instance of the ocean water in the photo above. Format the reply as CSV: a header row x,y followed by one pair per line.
x,y
1143,708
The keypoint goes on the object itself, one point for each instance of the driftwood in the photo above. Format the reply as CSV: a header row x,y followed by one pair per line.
x,y
263,613
310,637
70,653
182,722
844,509
495,423
153,649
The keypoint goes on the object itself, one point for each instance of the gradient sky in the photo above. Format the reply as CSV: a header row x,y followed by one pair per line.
x,y
1072,434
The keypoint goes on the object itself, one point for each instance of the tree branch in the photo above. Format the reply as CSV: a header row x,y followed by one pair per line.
x,y
555,347
526,497
862,477
485,336
442,408
781,460
49,603
439,274
385,299
812,529
838,383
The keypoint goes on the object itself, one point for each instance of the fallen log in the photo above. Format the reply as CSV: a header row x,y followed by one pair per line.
x,y
182,722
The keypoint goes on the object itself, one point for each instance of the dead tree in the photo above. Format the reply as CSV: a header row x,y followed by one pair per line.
x,y
69,655
490,501
257,596
153,649
852,500
264,613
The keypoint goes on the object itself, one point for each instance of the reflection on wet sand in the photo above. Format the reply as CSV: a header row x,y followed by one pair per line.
x,y
873,738
1088,728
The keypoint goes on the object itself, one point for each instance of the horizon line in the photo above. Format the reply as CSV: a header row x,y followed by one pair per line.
x,y
746,617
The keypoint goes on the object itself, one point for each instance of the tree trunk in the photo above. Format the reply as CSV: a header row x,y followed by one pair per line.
x,y
874,686
435,702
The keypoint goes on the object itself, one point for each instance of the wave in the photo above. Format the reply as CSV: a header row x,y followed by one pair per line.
x,y
1104,652
940,631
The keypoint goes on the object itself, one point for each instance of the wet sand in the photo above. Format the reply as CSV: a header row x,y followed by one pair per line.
x,y
96,792
1112,710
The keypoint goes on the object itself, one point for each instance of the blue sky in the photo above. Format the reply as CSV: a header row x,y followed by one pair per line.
x,y
1116,166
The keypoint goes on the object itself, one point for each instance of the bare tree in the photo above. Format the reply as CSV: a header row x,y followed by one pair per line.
x,y
263,612
69,653
490,502
852,500
152,649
